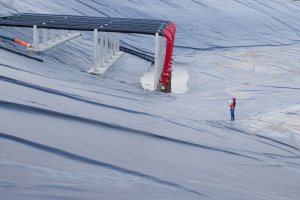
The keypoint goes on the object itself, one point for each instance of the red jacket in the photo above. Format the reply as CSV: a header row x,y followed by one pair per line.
x,y
232,106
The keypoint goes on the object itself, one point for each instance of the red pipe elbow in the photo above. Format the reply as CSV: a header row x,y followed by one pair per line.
x,y
165,73
169,33
171,28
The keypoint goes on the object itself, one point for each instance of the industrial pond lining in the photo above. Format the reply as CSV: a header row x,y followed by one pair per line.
x,y
66,134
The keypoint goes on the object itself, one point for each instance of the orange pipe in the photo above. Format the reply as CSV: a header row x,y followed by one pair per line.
x,y
26,44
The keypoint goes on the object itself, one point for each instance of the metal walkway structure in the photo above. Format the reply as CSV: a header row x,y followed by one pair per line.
x,y
61,29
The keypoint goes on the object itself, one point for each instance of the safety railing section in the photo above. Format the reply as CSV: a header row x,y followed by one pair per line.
x,y
159,58
106,52
57,37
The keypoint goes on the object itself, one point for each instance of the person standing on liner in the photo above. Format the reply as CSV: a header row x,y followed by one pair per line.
x,y
232,108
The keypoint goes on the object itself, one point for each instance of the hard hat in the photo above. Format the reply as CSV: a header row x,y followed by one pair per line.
x,y
233,98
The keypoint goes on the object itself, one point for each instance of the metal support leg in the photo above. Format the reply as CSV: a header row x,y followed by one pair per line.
x,y
72,32
45,39
52,35
157,61
118,42
106,48
66,33
115,44
101,50
95,50
36,36
110,46
164,50
59,34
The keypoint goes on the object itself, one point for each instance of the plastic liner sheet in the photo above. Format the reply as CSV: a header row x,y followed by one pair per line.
x,y
67,134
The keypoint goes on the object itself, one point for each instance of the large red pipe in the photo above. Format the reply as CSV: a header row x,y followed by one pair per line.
x,y
172,31
165,73
169,33
173,27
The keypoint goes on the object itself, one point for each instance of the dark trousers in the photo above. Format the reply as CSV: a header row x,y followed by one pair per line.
x,y
232,114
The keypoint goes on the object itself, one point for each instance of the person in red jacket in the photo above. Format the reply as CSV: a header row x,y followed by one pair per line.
x,y
232,107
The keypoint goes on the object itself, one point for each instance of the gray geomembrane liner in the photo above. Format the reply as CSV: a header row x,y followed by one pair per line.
x,y
66,134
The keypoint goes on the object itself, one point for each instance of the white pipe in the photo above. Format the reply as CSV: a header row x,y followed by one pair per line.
x,y
59,34
36,36
115,44
106,48
101,50
163,43
118,42
110,46
45,39
52,35
157,59
95,50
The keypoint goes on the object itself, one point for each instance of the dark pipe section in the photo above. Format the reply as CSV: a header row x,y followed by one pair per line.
x,y
17,52
139,54
84,17
6,37
136,53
